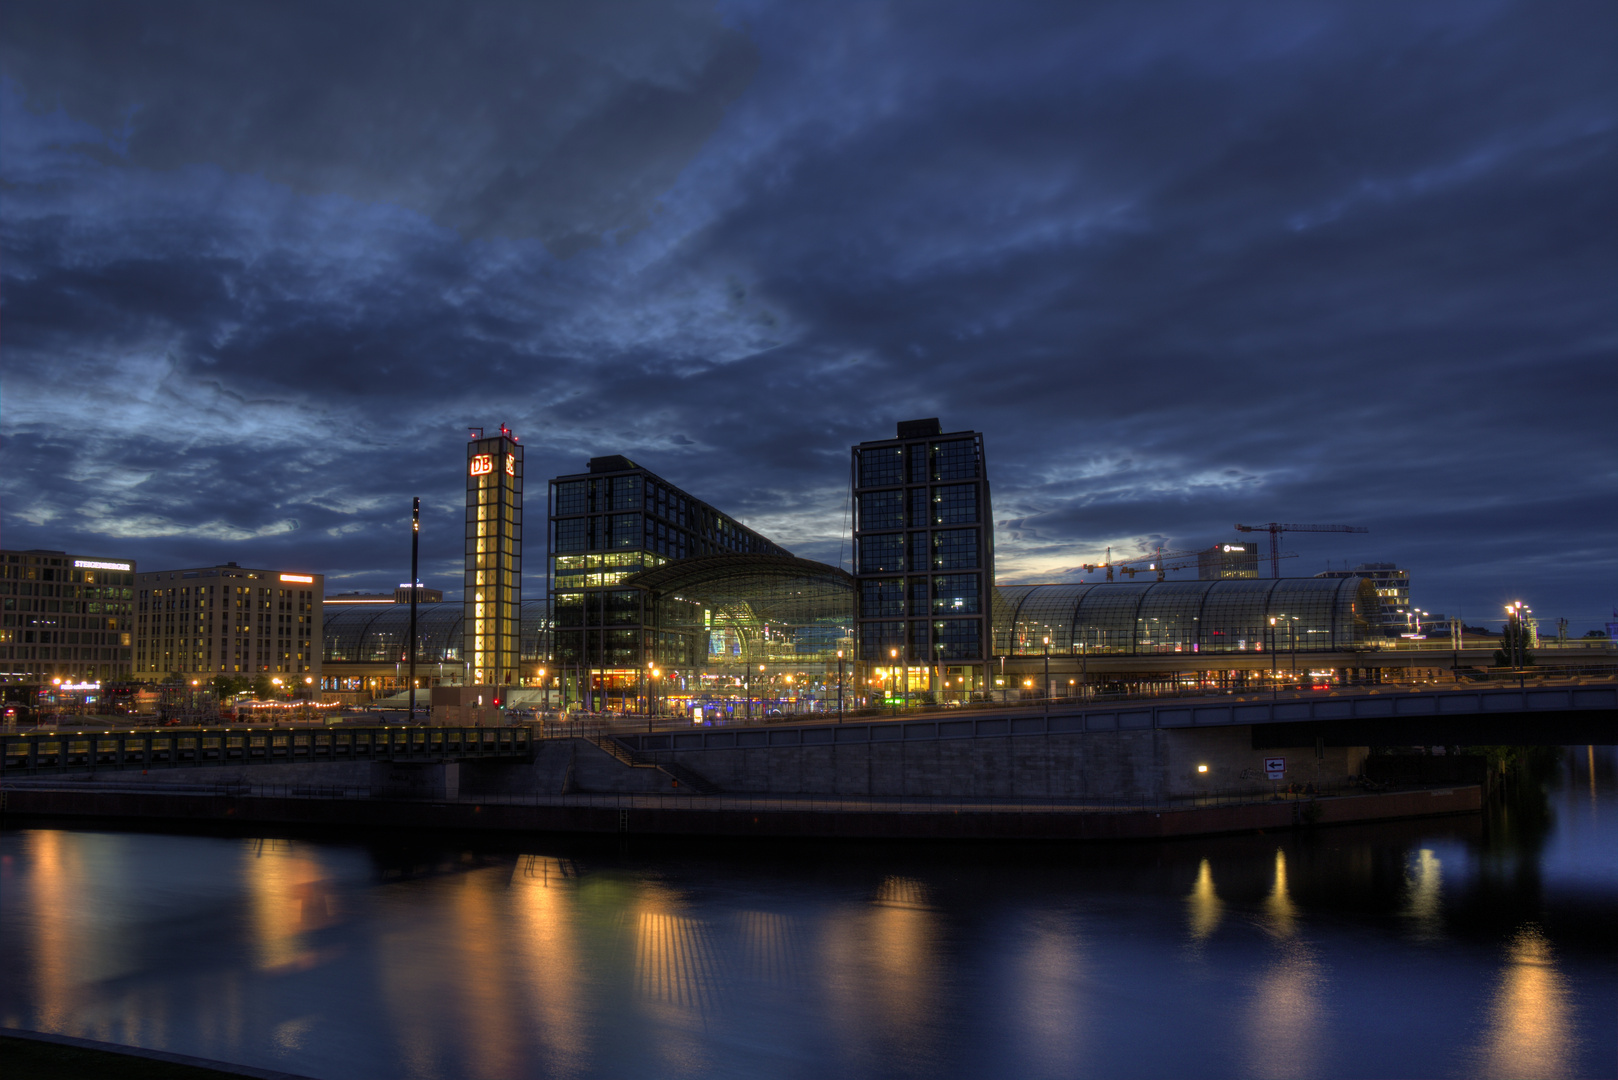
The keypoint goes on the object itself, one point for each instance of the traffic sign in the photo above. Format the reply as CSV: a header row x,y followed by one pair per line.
x,y
1275,767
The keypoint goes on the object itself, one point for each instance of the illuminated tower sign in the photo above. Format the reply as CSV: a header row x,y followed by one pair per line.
x,y
493,595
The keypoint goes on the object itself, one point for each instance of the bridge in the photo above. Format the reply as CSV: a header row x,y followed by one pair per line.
x,y
61,751
1538,716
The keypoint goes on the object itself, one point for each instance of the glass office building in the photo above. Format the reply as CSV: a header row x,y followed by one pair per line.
x,y
923,560
607,525
493,585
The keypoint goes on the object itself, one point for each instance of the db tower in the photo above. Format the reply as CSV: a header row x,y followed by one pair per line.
x,y
493,587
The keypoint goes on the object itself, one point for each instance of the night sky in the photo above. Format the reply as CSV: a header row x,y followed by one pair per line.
x,y
1183,265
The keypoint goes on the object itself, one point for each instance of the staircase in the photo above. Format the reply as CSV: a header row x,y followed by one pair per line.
x,y
687,778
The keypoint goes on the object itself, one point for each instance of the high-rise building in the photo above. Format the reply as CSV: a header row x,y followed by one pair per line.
x,y
229,620
65,617
1392,591
1224,561
924,559
607,524
492,597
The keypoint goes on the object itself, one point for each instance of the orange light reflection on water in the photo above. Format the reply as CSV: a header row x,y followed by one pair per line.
x,y
1529,1031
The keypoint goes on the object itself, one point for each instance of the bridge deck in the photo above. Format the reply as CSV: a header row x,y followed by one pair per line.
x,y
1375,711
50,751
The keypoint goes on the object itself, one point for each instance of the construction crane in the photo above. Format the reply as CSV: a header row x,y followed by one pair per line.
x,y
1275,529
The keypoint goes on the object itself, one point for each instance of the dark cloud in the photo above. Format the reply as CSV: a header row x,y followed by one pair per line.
x,y
1184,266
562,122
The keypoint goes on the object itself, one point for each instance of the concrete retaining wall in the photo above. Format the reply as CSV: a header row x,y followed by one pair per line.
x,y
1149,763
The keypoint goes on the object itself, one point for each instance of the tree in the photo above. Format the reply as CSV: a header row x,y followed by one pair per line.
x,y
1515,645
228,686
263,690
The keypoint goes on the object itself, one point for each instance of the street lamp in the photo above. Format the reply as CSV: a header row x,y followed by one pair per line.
x,y
1047,674
894,654
1273,692
839,686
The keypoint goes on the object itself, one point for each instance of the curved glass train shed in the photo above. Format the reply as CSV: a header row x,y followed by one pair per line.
x,y
1149,618
376,633
742,608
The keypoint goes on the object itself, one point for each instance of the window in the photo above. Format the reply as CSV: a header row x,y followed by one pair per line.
x,y
880,468
881,554
571,535
882,510
956,639
918,551
955,549
625,493
882,598
876,638
625,530
956,594
955,460
956,504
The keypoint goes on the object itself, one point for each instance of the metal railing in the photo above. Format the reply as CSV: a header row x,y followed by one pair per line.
x,y
28,752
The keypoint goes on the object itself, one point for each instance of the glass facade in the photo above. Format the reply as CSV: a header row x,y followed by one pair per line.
x,y
924,555
610,524
378,633
1228,616
493,584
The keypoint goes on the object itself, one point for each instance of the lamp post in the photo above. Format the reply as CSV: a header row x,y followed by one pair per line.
x,y
1273,692
1047,674
415,549
839,686
894,675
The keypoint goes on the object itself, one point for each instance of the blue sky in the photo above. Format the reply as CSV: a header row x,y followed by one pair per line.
x,y
1184,265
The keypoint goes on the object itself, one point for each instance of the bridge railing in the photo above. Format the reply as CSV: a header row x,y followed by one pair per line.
x,y
67,749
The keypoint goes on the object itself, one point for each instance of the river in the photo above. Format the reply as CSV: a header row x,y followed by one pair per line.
x,y
1473,946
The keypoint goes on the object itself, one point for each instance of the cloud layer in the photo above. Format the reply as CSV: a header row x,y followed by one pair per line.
x,y
1183,265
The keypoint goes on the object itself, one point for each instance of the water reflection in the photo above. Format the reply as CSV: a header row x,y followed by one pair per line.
x,y
288,898
1206,909
1280,913
545,911
1425,909
1054,1018
1285,1020
417,960
1529,1031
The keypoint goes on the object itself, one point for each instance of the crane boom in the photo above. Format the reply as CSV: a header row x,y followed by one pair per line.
x,y
1275,529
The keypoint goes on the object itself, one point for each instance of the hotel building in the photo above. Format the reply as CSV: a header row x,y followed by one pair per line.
x,y
229,620
65,617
